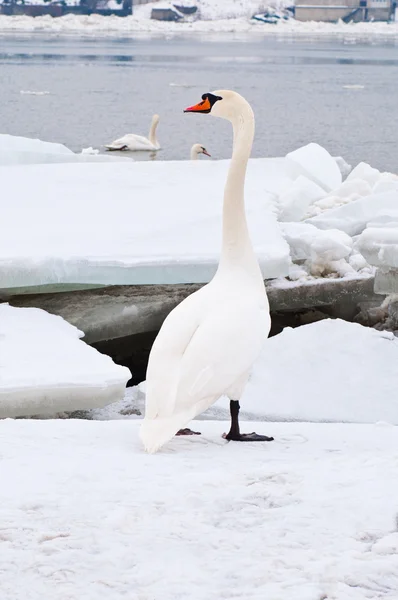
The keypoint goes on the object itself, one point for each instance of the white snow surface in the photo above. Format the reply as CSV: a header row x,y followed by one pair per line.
x,y
140,22
133,224
295,201
309,243
330,370
46,368
352,218
318,165
15,143
141,222
87,515
379,245
18,150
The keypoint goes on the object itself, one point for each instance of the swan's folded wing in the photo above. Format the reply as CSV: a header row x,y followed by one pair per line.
x,y
214,361
118,144
164,364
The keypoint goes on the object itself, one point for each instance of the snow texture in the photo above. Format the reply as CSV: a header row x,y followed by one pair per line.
x,y
318,164
352,218
295,201
15,143
16,150
140,22
326,363
135,225
87,515
46,368
379,245
141,222
309,243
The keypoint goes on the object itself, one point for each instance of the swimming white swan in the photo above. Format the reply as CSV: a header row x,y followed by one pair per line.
x,y
134,142
208,343
198,149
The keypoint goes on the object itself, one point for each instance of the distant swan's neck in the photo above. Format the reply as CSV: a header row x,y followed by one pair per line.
x,y
194,153
237,250
152,133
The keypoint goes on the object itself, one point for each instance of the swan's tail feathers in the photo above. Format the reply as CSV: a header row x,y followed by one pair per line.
x,y
113,148
155,433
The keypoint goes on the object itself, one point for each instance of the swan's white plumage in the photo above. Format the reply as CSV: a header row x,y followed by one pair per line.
x,y
133,142
196,150
208,343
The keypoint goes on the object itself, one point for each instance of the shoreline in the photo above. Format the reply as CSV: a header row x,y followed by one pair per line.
x,y
121,26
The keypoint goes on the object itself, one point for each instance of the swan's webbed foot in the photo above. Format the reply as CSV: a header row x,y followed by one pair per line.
x,y
187,431
235,434
247,437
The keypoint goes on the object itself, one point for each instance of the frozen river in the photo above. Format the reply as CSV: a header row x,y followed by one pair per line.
x,y
342,95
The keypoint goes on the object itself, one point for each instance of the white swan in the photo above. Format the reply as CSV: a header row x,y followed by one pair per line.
x,y
134,142
198,149
208,343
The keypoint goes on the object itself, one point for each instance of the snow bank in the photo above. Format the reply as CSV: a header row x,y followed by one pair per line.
x,y
337,371
315,193
141,222
363,181
379,245
355,216
321,248
133,223
295,201
318,165
159,222
16,150
214,10
15,143
45,368
141,23
87,515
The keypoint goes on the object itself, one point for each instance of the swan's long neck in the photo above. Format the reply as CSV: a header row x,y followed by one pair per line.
x,y
237,250
152,133
194,153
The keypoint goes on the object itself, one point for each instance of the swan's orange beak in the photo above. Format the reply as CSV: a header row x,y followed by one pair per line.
x,y
205,152
202,107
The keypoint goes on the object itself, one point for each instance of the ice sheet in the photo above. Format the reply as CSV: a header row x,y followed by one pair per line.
x,y
141,222
46,368
355,216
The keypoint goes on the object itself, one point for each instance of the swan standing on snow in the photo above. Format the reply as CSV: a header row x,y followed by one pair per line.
x,y
134,142
208,343
198,149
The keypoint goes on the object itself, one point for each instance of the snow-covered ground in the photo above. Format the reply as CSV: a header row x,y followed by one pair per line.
x,y
217,17
85,514
126,223
160,222
45,368
18,150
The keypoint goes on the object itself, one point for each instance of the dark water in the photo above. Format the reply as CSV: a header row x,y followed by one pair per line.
x,y
100,89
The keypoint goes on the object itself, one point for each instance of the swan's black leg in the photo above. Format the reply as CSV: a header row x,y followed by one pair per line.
x,y
187,431
234,432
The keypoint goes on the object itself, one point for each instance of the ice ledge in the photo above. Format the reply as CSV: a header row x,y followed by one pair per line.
x,y
121,311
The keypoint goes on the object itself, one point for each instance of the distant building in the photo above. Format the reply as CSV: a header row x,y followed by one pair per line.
x,y
347,10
